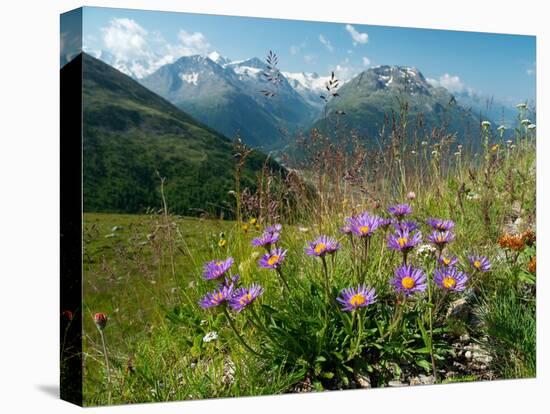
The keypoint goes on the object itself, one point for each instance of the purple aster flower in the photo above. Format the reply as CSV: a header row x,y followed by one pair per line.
x,y
322,246
242,297
405,225
266,239
400,210
346,228
217,297
385,223
364,224
273,259
480,263
352,299
276,228
409,280
231,280
404,240
440,224
216,268
448,261
450,278
441,238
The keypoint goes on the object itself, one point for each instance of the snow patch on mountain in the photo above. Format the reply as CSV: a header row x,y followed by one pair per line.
x,y
192,78
309,85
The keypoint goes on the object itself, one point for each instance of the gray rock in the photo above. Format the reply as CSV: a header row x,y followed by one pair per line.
x,y
414,381
363,381
458,308
397,384
426,379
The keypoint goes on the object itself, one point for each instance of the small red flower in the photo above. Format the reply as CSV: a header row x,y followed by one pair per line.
x,y
67,314
100,320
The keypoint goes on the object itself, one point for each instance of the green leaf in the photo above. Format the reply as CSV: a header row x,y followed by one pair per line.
x,y
422,363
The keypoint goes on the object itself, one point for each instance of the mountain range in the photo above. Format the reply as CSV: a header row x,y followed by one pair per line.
x,y
132,137
370,98
235,98
228,97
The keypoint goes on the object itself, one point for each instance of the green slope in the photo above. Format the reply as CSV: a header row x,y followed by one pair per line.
x,y
370,99
130,133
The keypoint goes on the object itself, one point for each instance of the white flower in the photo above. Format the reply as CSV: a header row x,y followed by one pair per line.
x,y
501,128
413,152
509,142
486,124
525,122
424,143
458,153
521,106
532,126
473,196
426,249
303,229
434,152
210,336
459,146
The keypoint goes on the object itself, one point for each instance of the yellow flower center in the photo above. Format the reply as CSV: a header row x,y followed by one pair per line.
x,y
449,282
446,261
273,259
407,282
402,241
245,299
219,263
477,264
364,229
440,238
320,248
218,297
357,300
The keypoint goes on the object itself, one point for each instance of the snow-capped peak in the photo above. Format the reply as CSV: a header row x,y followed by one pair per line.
x,y
219,59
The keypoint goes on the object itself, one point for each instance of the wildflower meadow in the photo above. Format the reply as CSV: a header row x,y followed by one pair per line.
x,y
423,273
345,212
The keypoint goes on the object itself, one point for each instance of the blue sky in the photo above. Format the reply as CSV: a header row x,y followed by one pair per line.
x,y
498,65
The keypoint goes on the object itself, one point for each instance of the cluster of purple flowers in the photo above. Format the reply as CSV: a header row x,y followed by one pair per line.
x,y
227,292
407,280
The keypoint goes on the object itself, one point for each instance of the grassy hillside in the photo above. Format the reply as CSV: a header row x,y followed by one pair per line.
x,y
130,133
163,346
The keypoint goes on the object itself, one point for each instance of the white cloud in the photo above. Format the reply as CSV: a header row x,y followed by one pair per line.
x,y
137,52
326,42
366,61
310,58
125,38
346,70
452,83
192,43
296,49
357,36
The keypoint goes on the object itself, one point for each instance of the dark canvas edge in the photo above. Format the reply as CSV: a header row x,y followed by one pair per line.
x,y
71,215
